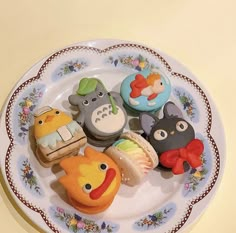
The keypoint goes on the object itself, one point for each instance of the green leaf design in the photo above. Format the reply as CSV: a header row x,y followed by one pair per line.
x,y
86,86
159,216
74,228
204,171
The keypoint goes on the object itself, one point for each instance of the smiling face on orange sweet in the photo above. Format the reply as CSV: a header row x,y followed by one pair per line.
x,y
91,180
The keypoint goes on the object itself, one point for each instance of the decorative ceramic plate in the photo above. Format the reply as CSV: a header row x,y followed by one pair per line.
x,y
163,202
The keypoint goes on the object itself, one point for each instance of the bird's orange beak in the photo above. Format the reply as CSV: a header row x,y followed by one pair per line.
x,y
49,118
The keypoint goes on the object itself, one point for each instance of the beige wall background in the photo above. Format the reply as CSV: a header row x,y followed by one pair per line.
x,y
200,34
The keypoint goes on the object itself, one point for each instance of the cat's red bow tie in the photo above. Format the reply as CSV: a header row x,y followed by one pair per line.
x,y
175,158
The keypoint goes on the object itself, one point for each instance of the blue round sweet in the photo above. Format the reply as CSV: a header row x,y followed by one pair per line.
x,y
145,91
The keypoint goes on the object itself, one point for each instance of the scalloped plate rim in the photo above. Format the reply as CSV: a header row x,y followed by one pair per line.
x,y
38,64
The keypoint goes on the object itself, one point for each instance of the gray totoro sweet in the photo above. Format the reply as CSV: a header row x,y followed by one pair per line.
x,y
101,113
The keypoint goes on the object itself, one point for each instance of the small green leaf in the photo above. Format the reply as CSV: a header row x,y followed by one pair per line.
x,y
204,172
159,216
86,86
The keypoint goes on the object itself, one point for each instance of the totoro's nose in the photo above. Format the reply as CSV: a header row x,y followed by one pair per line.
x,y
94,99
172,132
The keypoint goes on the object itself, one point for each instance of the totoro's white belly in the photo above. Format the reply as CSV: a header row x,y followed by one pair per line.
x,y
105,121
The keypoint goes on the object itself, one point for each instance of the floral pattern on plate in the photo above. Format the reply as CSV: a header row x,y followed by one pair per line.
x,y
198,177
69,67
188,103
137,62
77,223
24,110
28,177
38,209
156,219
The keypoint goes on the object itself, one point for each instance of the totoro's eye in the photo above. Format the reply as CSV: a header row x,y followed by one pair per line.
x,y
40,122
85,103
87,188
181,126
103,166
100,94
160,134
57,112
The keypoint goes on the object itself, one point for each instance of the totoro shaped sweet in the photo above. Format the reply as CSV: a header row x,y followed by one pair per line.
x,y
101,113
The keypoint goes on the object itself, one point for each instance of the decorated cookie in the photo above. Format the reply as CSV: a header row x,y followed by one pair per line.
x,y
145,91
101,113
91,181
173,139
134,156
57,136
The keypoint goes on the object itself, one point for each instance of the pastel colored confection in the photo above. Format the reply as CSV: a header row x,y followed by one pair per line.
x,y
145,91
134,156
173,139
91,181
57,136
101,113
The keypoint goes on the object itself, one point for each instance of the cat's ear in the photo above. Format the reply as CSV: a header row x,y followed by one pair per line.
x,y
171,110
147,121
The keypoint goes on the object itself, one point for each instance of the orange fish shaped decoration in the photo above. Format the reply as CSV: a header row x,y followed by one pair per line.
x,y
91,181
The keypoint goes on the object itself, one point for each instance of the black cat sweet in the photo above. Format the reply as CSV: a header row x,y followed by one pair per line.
x,y
173,138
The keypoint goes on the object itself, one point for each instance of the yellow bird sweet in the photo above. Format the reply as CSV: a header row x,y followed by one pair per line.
x,y
57,135
91,181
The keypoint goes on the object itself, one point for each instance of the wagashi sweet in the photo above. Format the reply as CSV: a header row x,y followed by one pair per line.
x,y
134,156
101,113
145,91
173,138
92,181
57,135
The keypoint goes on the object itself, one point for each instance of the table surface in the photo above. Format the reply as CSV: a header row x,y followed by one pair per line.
x,y
200,34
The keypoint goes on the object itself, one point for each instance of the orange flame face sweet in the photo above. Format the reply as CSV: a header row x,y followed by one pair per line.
x,y
91,181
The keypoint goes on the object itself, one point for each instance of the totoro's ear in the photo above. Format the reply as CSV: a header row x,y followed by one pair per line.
x,y
74,99
147,121
171,110
99,87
